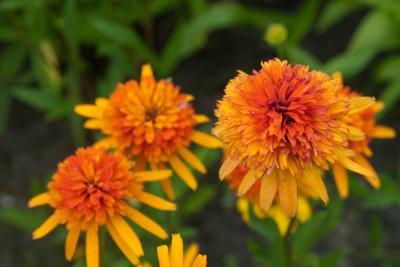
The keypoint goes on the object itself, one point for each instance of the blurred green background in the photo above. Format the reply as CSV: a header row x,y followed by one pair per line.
x,y
55,54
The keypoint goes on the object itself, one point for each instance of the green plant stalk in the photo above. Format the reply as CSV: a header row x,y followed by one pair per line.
x,y
287,244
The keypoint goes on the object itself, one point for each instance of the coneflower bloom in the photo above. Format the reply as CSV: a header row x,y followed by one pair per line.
x,y
175,256
285,124
153,121
365,121
90,189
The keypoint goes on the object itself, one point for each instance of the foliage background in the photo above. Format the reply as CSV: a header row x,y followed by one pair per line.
x,y
55,54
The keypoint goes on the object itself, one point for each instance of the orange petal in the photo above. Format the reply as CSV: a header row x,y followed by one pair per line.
x,y
47,226
372,180
227,167
192,159
288,193
269,186
71,241
383,132
206,140
92,246
183,172
341,179
39,200
247,182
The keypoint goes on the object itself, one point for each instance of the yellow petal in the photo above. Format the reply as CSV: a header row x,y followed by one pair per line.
x,y
183,172
378,106
355,133
168,188
163,256
127,234
47,226
353,166
147,72
314,177
288,193
89,111
199,118
93,124
122,245
190,254
372,180
228,167
176,251
71,241
192,159
281,219
360,103
341,179
39,200
146,223
106,143
155,202
269,186
383,132
304,211
206,140
147,176
92,246
247,182
200,261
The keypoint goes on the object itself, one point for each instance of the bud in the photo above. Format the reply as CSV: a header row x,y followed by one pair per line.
x,y
275,34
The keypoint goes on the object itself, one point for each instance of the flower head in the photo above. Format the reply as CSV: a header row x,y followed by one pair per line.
x,y
153,121
284,124
366,122
175,256
91,189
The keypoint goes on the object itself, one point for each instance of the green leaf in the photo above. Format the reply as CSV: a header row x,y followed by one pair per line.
x,y
300,56
390,95
388,69
40,99
11,59
5,105
333,12
24,219
375,233
198,200
303,21
332,259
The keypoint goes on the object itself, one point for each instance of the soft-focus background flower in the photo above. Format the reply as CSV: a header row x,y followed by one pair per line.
x,y
55,54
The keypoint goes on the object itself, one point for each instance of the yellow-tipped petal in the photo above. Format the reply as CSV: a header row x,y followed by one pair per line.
x,y
372,180
148,176
269,186
155,202
92,246
206,140
228,167
378,106
47,226
192,159
147,72
314,178
199,118
383,132
177,251
360,103
89,111
127,234
200,261
288,193
190,254
168,188
146,223
163,256
39,200
122,245
183,172
93,124
353,166
355,133
71,241
341,179
247,182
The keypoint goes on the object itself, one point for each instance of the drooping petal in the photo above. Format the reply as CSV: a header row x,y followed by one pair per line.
x,y
206,140
372,180
269,186
314,178
127,234
247,182
353,166
227,167
39,200
122,245
288,193
192,159
168,188
92,246
155,201
341,179
47,226
183,172
146,223
71,241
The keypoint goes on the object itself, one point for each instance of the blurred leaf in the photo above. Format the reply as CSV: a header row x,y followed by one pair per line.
x,y
300,56
24,219
40,99
308,259
8,32
386,5
11,59
198,200
388,69
304,20
47,76
390,95
332,259
375,233
5,105
387,196
333,12
12,5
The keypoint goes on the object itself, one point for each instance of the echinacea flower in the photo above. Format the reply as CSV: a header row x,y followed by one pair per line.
x,y
91,189
153,121
285,124
175,256
365,121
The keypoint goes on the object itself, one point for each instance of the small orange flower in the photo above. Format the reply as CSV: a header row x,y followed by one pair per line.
x,y
91,189
284,124
365,121
154,122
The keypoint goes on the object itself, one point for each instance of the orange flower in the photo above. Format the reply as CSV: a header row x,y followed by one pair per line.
x,y
365,121
91,189
154,122
284,124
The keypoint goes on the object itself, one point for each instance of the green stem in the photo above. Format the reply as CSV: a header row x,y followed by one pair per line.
x,y
287,244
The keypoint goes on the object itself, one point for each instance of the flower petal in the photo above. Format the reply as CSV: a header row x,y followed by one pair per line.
x,y
227,167
383,132
176,251
47,226
190,254
192,159
39,200
127,234
360,103
122,245
155,201
199,118
269,186
341,179
206,140
288,193
92,246
147,176
71,241
146,223
314,177
247,182
163,256
200,261
183,172
372,180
